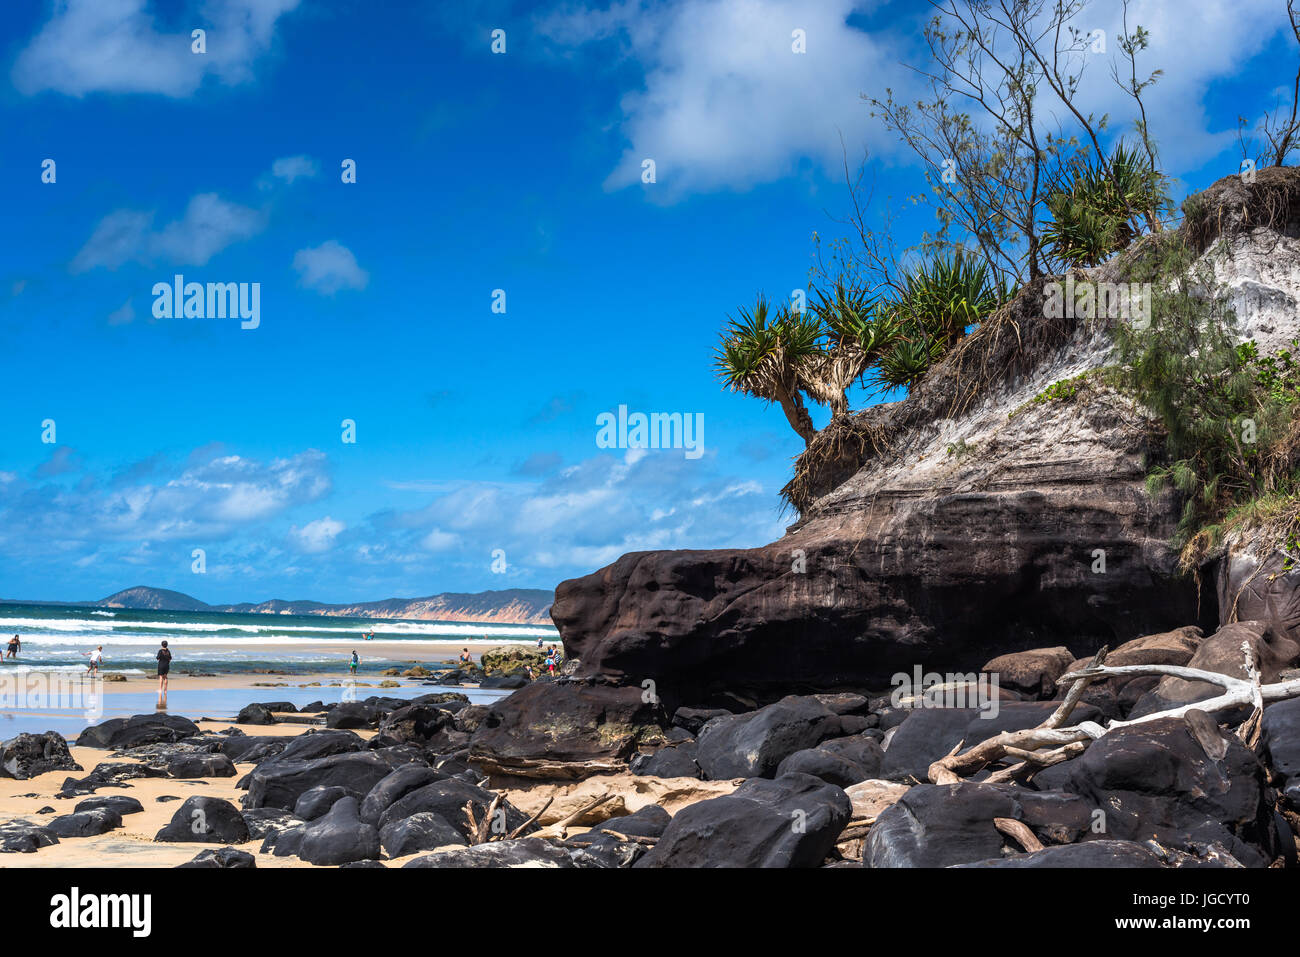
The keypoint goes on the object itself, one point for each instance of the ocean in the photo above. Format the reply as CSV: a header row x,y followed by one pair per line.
x,y
57,638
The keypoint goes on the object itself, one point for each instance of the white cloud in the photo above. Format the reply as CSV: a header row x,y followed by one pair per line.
x,y
290,168
209,225
329,267
114,46
317,536
726,102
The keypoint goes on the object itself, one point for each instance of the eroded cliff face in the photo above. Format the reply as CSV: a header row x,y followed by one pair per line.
x,y
976,522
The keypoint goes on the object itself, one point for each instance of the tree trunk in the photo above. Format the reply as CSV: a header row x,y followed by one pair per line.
x,y
797,415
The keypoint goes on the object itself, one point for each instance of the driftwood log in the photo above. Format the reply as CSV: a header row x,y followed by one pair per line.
x,y
1051,743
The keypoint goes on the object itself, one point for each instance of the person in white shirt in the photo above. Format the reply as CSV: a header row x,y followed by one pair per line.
x,y
96,658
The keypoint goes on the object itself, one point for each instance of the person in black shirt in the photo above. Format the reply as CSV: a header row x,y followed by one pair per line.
x,y
164,666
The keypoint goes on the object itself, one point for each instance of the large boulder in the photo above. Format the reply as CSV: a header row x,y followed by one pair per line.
x,y
137,730
942,825
791,821
511,660
416,723
88,823
555,730
1183,781
1032,672
339,837
24,837
1222,653
754,744
395,786
422,831
200,766
206,820
280,783
28,755
841,761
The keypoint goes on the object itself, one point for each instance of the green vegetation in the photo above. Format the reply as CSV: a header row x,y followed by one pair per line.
x,y
1229,436
1098,207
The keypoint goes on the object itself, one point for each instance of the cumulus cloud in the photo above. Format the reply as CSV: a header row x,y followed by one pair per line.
x,y
317,536
210,224
726,102
116,46
329,267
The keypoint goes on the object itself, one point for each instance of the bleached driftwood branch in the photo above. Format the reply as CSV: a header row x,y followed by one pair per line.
x,y
1067,742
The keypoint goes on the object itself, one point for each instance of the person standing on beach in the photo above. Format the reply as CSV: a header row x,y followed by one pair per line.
x,y
14,647
355,661
96,659
164,666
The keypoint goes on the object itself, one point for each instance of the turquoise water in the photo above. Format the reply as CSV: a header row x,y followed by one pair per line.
x,y
57,637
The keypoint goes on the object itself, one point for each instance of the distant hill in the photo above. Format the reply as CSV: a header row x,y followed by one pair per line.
x,y
508,606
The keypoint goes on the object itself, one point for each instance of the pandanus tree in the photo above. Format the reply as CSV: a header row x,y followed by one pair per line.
x,y
856,333
762,353
1099,208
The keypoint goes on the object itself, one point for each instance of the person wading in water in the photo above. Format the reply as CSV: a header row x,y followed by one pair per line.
x,y
164,666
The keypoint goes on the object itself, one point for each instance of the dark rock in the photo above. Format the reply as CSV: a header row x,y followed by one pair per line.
x,y
223,857
900,576
402,781
468,719
110,774
206,820
28,755
943,825
447,799
23,837
354,714
265,821
422,831
319,744
521,852
1182,781
564,730
1281,738
337,838
119,803
504,681
649,821
252,749
255,714
317,801
416,723
678,762
1088,854
119,733
791,821
370,864
201,766
280,783
840,761
1033,672
86,823
753,745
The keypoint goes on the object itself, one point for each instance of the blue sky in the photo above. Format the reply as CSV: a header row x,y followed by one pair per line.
x,y
475,430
